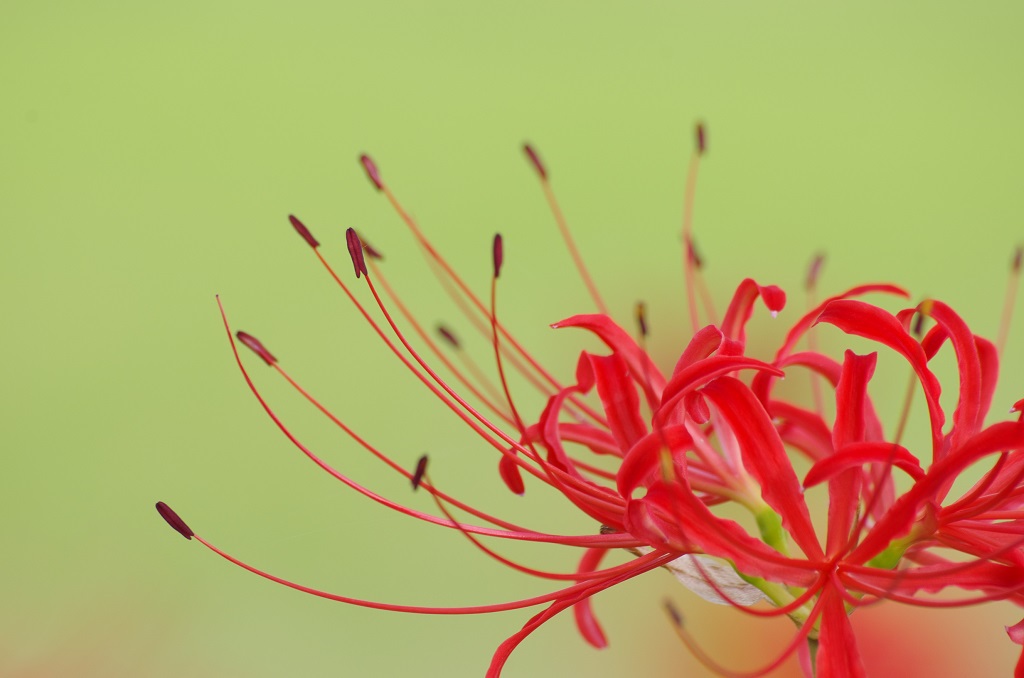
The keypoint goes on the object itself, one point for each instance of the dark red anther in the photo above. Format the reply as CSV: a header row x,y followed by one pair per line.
x,y
421,469
372,252
371,171
702,139
498,252
174,520
303,231
674,614
694,254
641,318
1018,258
918,329
254,344
448,336
535,159
814,271
355,250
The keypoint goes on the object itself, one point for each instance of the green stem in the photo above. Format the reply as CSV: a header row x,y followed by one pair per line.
x,y
812,647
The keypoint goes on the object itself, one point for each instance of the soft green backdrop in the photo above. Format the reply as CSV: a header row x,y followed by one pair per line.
x,y
149,153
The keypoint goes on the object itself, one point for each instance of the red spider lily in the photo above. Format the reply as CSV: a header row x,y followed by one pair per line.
x,y
711,432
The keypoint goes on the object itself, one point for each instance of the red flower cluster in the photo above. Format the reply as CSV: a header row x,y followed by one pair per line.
x,y
714,431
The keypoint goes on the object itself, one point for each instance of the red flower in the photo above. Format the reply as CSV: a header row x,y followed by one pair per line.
x,y
711,432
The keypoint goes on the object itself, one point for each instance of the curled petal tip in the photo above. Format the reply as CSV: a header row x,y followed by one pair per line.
x,y
174,520
256,346
355,250
774,298
535,160
1016,632
371,171
421,469
510,474
303,231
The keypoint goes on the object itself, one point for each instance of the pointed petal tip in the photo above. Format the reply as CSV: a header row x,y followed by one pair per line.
x,y
1016,632
174,520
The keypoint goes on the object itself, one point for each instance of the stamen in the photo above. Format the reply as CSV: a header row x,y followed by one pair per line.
x,y
563,228
174,520
450,281
814,272
355,250
303,231
811,285
254,345
447,335
417,609
535,159
371,171
498,254
689,259
641,318
674,614
417,476
1011,298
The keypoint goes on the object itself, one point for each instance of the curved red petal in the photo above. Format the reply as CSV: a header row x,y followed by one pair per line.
x,y
765,458
641,367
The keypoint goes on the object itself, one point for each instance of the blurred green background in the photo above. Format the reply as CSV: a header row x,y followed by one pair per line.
x,y
149,155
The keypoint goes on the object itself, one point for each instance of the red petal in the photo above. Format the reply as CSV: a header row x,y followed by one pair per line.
x,y
742,306
703,371
705,342
858,454
871,322
805,323
765,458
618,340
685,516
619,398
509,472
586,622
643,462
837,650
844,487
967,417
898,520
